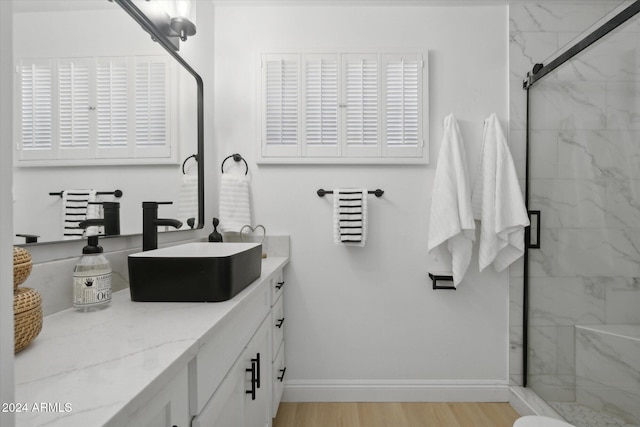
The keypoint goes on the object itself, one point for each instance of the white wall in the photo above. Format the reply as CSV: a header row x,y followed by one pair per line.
x,y
6,216
362,318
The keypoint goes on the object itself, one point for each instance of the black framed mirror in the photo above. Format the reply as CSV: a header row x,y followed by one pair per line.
x,y
80,40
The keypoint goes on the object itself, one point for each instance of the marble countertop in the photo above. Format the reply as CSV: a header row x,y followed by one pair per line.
x,y
94,369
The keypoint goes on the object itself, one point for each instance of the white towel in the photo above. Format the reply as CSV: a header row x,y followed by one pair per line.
x,y
188,199
451,221
350,216
497,201
235,210
75,205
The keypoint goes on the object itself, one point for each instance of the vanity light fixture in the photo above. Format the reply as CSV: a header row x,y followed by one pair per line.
x,y
175,19
180,20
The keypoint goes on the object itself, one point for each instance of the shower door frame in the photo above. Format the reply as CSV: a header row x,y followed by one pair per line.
x,y
538,72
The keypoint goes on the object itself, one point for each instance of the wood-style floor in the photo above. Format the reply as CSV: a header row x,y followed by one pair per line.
x,y
395,415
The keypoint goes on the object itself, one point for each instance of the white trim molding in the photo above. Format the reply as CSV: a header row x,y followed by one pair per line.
x,y
396,391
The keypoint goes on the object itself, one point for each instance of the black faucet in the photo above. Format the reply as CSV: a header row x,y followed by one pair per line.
x,y
150,223
111,220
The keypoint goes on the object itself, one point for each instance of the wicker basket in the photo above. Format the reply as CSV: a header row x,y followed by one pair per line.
x,y
21,266
27,309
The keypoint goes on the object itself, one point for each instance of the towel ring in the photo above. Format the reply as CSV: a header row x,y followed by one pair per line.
x,y
194,156
236,157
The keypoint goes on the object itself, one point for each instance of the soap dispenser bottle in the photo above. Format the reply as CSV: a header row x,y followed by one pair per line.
x,y
92,278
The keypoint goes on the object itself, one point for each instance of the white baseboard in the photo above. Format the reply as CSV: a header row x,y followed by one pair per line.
x,y
396,391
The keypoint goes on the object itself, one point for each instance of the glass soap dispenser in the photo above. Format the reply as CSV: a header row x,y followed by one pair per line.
x,y
92,278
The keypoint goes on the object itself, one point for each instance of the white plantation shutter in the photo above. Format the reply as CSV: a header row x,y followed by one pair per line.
x,y
74,114
402,88
111,110
361,87
151,109
35,108
343,108
280,99
112,106
320,100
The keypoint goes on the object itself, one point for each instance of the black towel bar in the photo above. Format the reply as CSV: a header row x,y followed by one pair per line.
x,y
193,156
436,277
116,193
321,192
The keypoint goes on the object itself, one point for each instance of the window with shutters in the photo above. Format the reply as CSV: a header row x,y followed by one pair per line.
x,y
94,110
343,108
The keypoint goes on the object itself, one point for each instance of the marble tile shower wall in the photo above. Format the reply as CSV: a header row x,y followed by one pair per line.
x,y
584,177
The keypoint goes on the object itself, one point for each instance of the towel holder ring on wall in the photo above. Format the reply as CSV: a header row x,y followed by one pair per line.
x,y
236,157
193,156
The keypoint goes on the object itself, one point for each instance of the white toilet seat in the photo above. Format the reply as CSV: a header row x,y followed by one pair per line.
x,y
539,421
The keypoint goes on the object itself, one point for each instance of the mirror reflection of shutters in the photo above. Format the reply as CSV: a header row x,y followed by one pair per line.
x,y
320,101
402,112
151,102
281,82
36,108
361,93
74,105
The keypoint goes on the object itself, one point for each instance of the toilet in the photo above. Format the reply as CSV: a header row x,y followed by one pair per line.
x,y
539,421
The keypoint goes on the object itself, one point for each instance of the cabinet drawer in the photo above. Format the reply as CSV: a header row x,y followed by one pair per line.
x,y
279,372
277,321
170,407
227,341
277,286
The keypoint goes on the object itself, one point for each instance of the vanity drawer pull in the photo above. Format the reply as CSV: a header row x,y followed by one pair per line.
x,y
257,362
252,392
280,322
280,285
281,377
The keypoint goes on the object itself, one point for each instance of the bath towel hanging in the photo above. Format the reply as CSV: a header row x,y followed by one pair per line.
x,y
75,205
451,224
235,208
350,216
498,202
188,199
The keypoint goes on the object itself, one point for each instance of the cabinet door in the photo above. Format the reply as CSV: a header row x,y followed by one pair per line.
x,y
169,408
226,406
257,358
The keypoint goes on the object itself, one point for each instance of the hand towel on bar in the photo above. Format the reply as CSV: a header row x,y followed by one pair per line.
x,y
350,217
451,221
235,210
75,205
188,199
497,201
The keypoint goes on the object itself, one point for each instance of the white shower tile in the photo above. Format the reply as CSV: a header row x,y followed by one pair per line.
x,y
608,399
565,302
566,363
622,300
612,58
528,48
517,146
543,154
515,301
545,262
623,105
586,154
568,105
558,388
515,350
543,353
517,105
623,200
569,203
549,16
607,252
608,359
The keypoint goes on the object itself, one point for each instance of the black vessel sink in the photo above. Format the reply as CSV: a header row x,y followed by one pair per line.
x,y
194,272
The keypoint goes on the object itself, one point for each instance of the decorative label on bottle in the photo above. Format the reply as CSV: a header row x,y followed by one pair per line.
x,y
91,290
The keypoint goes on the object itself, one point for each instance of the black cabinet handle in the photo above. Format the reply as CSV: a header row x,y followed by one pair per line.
x,y
252,392
280,285
257,362
280,322
281,377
